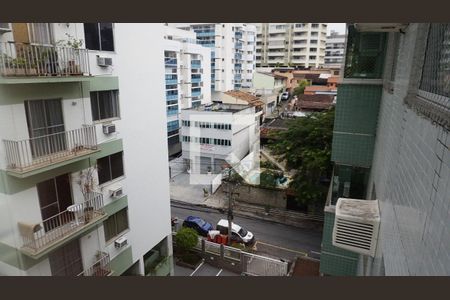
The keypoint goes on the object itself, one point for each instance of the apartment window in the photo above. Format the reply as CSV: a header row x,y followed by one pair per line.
x,y
105,105
116,224
99,36
110,167
40,33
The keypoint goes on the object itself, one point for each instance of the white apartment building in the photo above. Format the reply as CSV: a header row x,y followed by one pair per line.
x,y
83,184
187,78
290,44
216,135
334,50
233,53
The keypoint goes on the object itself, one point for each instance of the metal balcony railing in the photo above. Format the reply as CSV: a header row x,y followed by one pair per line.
x,y
29,154
102,267
170,61
37,237
19,59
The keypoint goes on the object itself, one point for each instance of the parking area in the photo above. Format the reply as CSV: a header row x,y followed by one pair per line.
x,y
204,269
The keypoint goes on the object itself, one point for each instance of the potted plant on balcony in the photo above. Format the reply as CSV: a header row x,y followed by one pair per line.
x,y
72,68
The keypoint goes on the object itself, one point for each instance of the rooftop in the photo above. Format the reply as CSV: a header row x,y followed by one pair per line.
x,y
314,102
220,107
318,88
249,98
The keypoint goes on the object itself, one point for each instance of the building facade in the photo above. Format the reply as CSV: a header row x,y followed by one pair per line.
x,y
187,78
232,56
217,135
334,50
290,44
391,143
74,200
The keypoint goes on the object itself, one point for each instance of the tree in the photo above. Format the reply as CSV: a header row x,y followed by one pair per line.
x,y
306,147
268,178
301,87
186,239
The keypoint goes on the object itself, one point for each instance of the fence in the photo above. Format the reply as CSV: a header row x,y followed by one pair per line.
x,y
43,150
101,267
38,236
19,59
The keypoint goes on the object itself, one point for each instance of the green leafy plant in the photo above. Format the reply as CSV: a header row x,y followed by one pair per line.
x,y
306,147
70,42
300,89
186,239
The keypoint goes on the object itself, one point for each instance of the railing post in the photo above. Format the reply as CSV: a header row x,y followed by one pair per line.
x,y
222,252
203,247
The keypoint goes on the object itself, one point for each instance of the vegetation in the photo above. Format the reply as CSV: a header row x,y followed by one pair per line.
x,y
268,178
186,239
306,147
301,87
268,165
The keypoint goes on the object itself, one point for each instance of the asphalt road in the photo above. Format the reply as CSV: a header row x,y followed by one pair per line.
x,y
273,239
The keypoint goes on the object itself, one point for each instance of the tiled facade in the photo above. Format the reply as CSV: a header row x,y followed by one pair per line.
x,y
410,169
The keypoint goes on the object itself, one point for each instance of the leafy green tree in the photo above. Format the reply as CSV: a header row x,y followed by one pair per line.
x,y
306,147
301,87
186,239
268,178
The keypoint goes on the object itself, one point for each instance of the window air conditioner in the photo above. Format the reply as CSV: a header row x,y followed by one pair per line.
x,y
104,61
356,225
117,192
121,242
109,128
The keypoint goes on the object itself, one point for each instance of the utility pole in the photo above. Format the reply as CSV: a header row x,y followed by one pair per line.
x,y
231,188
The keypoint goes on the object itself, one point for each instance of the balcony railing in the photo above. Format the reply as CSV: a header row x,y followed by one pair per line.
x,y
30,154
19,59
195,93
195,64
38,237
102,267
170,62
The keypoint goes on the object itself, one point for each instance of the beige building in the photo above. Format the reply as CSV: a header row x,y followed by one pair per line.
x,y
290,44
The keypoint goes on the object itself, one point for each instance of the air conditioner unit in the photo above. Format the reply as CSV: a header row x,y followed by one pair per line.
x,y
104,61
356,225
117,192
121,242
109,128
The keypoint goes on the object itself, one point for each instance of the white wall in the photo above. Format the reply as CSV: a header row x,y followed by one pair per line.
x,y
144,132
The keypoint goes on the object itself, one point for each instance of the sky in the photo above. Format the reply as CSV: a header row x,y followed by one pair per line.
x,y
339,27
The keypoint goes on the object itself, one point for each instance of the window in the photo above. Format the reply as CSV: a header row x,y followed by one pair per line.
x,y
105,105
99,36
110,167
40,33
116,224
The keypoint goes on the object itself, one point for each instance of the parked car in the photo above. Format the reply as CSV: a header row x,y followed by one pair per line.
x,y
198,224
238,234
285,96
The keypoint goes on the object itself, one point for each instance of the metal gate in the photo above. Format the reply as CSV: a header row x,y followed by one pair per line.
x,y
256,265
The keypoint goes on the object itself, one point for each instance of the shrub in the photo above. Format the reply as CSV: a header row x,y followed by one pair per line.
x,y
186,239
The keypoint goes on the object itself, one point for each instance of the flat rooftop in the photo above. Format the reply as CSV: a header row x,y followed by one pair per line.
x,y
220,107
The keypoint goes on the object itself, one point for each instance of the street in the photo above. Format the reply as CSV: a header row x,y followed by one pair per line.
x,y
273,239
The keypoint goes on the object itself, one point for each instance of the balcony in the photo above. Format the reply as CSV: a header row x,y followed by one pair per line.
x,y
102,267
19,60
205,33
170,62
25,157
195,93
238,45
196,80
172,97
195,64
37,238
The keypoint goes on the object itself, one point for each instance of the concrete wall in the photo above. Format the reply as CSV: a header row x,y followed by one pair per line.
x,y
261,196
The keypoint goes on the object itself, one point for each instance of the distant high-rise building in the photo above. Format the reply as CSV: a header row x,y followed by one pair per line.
x,y
232,56
290,44
334,50
187,78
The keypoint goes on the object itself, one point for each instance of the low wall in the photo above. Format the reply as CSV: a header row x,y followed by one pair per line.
x,y
261,196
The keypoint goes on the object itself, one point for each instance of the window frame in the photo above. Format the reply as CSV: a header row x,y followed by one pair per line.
x,y
100,38
111,180
116,234
99,121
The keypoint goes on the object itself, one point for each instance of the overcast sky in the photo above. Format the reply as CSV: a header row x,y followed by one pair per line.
x,y
339,27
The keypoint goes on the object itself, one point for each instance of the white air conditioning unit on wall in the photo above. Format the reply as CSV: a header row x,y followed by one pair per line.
x,y
356,225
117,192
109,128
121,242
104,61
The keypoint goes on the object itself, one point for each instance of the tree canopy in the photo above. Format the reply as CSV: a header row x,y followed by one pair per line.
x,y
301,87
306,147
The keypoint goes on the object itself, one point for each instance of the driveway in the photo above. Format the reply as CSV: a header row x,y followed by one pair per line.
x,y
204,269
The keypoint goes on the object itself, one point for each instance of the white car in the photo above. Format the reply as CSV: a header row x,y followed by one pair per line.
x,y
238,233
285,96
